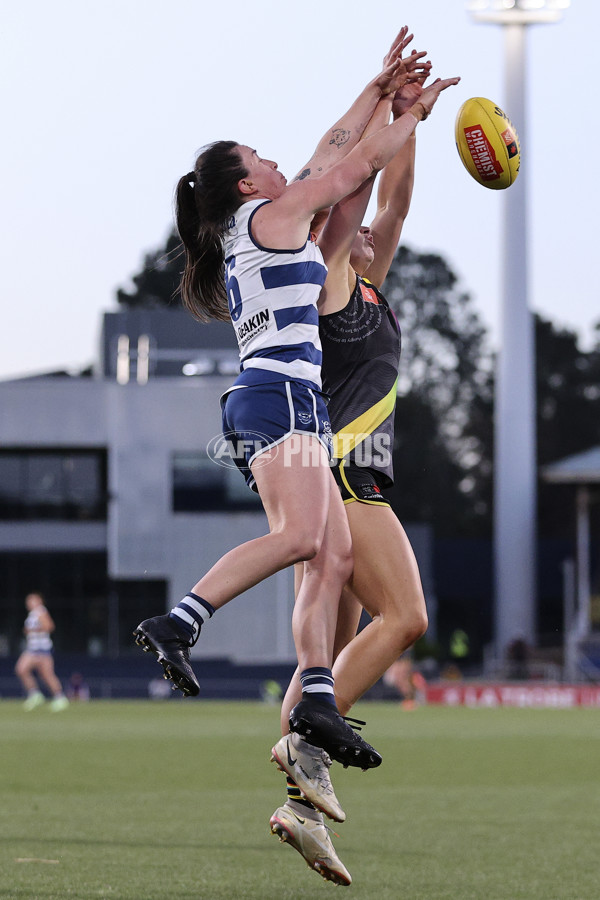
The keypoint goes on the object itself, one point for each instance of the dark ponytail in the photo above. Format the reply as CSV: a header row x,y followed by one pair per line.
x,y
205,200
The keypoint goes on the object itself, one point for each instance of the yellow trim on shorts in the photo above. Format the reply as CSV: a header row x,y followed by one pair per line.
x,y
353,498
364,425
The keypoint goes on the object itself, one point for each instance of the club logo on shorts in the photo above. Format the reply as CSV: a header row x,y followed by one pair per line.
x,y
327,436
370,492
305,417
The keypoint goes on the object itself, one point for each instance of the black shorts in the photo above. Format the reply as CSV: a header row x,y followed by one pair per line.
x,y
359,483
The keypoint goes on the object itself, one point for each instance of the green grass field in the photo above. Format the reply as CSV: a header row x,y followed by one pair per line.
x,y
141,801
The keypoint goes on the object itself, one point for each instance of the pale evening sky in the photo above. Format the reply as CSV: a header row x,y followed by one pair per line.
x,y
104,106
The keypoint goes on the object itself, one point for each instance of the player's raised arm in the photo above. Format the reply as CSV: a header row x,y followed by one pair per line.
x,y
342,137
339,230
346,217
284,222
394,191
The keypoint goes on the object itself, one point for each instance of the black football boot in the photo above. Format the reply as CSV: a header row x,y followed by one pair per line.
x,y
171,645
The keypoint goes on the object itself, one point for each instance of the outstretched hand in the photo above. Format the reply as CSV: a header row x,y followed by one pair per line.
x,y
411,91
430,94
398,71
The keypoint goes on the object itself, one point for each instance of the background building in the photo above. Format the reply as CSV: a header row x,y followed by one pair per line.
x,y
111,507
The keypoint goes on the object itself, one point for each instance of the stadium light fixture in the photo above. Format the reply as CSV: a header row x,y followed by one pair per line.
x,y
515,471
517,12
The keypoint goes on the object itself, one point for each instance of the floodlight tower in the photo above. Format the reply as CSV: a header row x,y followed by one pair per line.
x,y
515,483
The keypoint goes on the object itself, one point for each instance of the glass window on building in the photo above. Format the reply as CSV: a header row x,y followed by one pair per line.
x,y
53,484
11,476
130,602
200,485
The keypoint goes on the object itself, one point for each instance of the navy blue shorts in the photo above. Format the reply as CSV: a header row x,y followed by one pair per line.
x,y
258,417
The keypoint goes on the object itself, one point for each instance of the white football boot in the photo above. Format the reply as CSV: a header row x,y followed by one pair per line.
x,y
307,833
35,699
309,767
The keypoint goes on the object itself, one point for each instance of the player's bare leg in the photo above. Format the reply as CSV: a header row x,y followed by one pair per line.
x,y
45,667
385,582
24,672
296,500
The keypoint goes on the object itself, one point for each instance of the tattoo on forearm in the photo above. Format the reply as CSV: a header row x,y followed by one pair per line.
x,y
339,137
303,174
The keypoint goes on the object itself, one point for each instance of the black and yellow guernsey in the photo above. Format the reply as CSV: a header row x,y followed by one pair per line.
x,y
361,355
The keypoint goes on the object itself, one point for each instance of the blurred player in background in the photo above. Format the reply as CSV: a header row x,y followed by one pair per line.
x,y
407,681
37,659
77,689
361,352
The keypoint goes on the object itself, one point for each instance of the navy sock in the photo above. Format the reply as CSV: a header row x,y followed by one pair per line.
x,y
317,684
191,614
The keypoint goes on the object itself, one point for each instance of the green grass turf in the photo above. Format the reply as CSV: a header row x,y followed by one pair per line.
x,y
141,800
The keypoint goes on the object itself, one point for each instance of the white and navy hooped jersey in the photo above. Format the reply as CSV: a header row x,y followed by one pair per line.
x,y
38,641
272,296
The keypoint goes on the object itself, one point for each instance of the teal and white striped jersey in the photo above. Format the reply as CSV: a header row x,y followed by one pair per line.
x,y
38,641
272,296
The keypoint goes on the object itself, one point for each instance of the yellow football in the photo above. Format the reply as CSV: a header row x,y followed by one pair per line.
x,y
487,143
